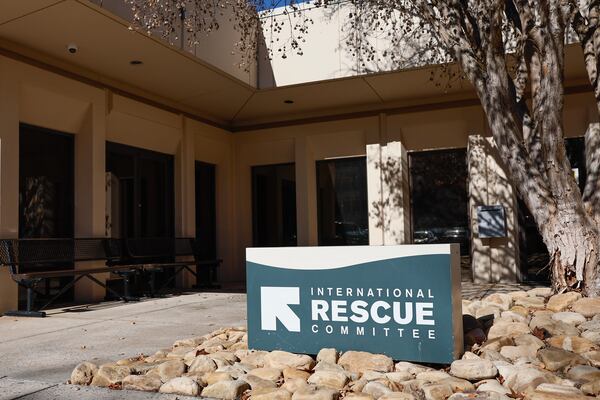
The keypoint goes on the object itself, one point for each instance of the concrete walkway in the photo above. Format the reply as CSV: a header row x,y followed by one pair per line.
x,y
47,349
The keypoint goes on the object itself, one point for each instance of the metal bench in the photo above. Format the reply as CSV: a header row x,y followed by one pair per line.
x,y
31,261
159,254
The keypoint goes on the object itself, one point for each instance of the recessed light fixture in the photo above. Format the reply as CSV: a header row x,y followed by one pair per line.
x,y
288,101
136,62
72,48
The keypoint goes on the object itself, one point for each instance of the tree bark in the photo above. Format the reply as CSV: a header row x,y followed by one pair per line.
x,y
547,188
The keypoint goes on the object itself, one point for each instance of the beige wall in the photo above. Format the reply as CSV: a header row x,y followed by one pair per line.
x,y
94,116
210,49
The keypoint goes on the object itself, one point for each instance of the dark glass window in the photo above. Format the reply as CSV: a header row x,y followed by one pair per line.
x,y
142,193
274,205
342,199
439,197
45,183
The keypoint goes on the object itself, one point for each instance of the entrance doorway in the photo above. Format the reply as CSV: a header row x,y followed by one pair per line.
x,y
46,193
439,200
342,199
274,205
140,191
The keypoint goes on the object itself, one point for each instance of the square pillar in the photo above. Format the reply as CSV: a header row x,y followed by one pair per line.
x,y
306,194
185,193
9,178
388,194
90,191
494,260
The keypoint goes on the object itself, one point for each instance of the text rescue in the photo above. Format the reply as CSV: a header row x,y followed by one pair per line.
x,y
382,312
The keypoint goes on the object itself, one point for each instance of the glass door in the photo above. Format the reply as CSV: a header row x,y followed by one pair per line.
x,y
142,197
274,205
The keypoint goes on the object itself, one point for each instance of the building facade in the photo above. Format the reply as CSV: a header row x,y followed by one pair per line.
x,y
132,137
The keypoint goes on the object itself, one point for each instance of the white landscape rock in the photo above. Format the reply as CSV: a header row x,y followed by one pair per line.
x,y
500,300
473,369
279,394
110,375
588,307
508,329
376,389
437,391
569,317
492,385
228,390
358,361
145,383
538,346
182,385
270,374
316,394
516,352
83,373
560,302
202,364
283,359
328,355
525,378
329,378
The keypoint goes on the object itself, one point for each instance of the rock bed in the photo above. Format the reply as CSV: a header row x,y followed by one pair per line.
x,y
519,345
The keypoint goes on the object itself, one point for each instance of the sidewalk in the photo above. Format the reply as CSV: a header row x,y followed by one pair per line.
x,y
47,349
12,389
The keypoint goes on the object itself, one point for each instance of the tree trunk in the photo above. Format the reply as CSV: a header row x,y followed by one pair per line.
x,y
572,242
535,157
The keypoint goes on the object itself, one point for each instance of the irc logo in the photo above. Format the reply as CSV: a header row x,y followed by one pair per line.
x,y
274,305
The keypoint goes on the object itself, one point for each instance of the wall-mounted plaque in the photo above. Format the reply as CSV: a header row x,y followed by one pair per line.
x,y
491,221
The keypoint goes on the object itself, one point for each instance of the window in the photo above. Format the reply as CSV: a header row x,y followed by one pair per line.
x,y
439,197
342,200
142,192
274,205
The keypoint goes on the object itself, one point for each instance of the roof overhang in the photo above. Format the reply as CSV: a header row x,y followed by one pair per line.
x,y
38,31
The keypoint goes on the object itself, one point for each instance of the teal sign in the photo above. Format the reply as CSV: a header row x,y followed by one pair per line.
x,y
403,301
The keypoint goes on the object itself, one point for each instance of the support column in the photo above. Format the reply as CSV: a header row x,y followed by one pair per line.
x,y
306,195
387,185
185,193
493,259
90,191
9,178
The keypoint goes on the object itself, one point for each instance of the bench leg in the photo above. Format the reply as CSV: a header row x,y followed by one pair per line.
x,y
126,294
171,279
29,312
97,282
152,283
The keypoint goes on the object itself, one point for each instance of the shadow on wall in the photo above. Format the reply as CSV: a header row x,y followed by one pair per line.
x,y
391,177
493,259
266,76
